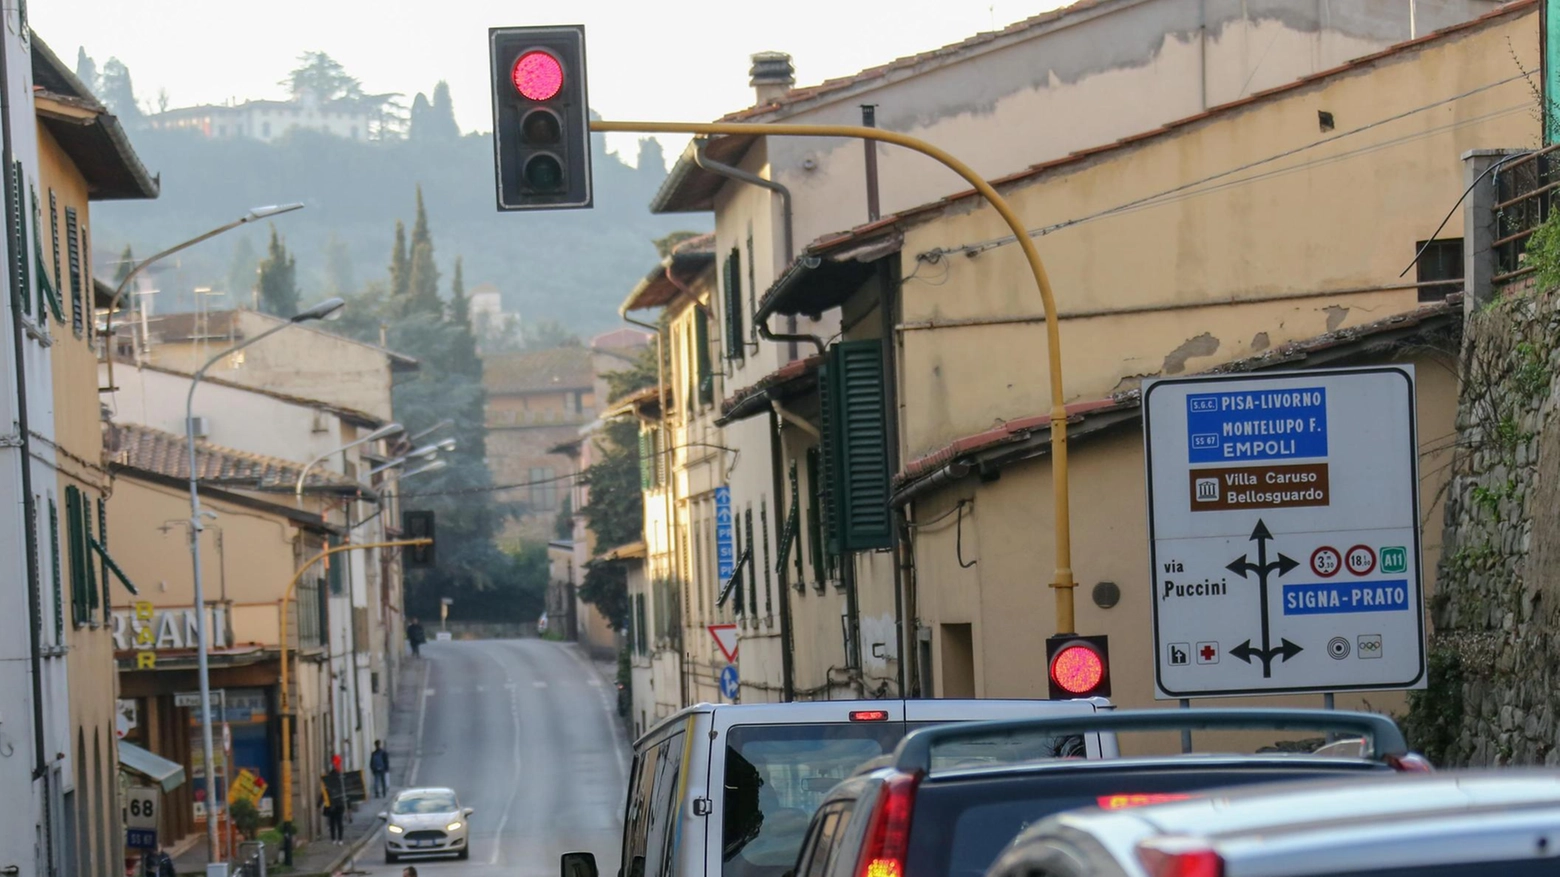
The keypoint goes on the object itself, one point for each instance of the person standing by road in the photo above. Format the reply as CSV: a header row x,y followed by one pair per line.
x,y
415,637
379,763
333,800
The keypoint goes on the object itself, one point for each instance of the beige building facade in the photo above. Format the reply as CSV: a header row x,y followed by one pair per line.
x,y
79,162
1171,253
263,539
1001,101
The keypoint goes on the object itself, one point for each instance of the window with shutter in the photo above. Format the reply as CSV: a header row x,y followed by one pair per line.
x,y
54,551
86,555
646,461
736,349
827,485
73,265
701,355
861,446
334,568
76,543
814,518
54,244
102,540
21,290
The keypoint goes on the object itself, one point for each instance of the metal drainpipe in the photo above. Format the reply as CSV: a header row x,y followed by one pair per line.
x,y
704,162
869,120
887,285
660,377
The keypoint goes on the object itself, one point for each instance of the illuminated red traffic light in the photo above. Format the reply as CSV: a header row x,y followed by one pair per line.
x,y
537,75
1079,666
1077,669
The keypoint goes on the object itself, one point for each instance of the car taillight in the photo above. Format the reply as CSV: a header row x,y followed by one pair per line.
x,y
1119,802
1179,857
1410,763
869,716
888,835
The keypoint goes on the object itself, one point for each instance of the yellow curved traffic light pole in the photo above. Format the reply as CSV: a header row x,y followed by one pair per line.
x,y
287,595
1063,577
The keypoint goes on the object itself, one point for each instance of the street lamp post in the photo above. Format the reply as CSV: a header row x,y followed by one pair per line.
x,y
320,311
383,432
255,214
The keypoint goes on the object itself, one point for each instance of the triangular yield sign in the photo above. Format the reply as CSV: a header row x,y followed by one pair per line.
x,y
725,639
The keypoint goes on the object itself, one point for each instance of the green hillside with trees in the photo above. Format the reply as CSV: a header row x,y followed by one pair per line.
x,y
570,267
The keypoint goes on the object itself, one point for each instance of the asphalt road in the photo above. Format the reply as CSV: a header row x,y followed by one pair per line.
x,y
526,732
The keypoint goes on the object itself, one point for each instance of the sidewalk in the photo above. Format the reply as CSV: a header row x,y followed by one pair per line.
x,y
321,857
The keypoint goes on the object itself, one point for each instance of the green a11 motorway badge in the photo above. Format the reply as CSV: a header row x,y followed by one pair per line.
x,y
1394,559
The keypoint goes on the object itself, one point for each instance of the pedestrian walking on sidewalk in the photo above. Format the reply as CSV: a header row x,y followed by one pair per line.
x,y
415,637
333,800
379,763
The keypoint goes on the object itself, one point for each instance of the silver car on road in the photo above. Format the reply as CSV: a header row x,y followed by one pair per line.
x,y
427,821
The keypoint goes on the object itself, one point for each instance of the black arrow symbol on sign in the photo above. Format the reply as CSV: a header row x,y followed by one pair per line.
x,y
1263,568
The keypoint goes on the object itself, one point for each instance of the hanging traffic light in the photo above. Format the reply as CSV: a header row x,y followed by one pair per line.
x,y
541,120
1078,666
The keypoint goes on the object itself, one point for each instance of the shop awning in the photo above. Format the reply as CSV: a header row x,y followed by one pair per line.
x,y
169,775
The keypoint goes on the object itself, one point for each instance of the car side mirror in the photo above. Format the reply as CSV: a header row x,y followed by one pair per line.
x,y
578,865
383,815
468,811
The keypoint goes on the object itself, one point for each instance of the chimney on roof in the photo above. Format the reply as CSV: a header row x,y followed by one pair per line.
x,y
771,76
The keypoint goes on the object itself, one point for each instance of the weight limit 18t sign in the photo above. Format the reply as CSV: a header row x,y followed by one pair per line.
x,y
1283,519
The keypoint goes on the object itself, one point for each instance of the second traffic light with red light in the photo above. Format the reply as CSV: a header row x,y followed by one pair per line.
x,y
1078,666
541,120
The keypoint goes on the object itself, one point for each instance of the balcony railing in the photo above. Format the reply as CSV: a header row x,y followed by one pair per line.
x,y
1524,193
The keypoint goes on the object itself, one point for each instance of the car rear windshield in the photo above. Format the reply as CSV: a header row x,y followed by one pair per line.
x,y
961,824
777,777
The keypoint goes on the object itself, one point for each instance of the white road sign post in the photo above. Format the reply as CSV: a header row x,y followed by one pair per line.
x,y
1284,532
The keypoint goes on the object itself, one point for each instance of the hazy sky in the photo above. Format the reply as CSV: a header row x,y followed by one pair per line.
x,y
656,61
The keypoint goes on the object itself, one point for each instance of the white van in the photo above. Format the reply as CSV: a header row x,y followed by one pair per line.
x,y
728,790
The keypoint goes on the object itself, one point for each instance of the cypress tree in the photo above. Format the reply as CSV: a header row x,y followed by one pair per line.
x,y
278,284
400,275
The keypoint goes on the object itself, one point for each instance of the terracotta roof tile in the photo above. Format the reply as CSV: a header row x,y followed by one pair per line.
x,y
532,371
133,446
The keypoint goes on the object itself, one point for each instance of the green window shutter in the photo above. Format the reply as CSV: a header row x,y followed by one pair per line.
x,y
54,240
701,354
86,555
102,519
23,290
646,461
747,569
333,567
77,545
827,485
73,264
736,348
862,445
814,519
54,552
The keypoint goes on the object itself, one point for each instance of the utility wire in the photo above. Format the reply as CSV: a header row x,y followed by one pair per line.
x,y
976,248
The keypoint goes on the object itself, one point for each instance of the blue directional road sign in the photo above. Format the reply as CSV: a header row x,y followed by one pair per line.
x,y
725,535
729,687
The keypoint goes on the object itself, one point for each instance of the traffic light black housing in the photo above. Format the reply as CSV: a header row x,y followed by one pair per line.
x,y
417,525
541,118
1078,666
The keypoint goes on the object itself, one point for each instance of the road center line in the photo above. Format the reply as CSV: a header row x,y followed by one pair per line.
x,y
514,787
422,714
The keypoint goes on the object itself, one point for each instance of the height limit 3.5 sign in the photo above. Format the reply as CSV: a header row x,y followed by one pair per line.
x,y
1284,528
